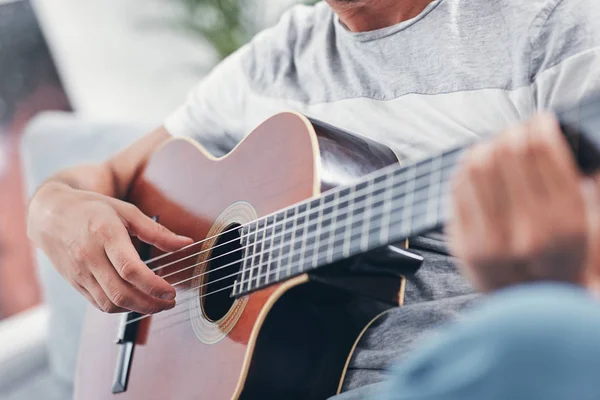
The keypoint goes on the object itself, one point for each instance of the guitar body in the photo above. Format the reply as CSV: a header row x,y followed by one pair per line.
x,y
291,340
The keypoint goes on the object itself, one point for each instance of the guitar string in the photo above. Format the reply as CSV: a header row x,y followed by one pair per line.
x,y
307,211
421,189
190,296
374,188
581,113
281,245
373,175
317,245
259,276
386,170
193,296
267,250
186,299
231,286
392,169
284,232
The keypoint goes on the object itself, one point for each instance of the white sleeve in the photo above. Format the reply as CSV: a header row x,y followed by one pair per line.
x,y
214,110
565,63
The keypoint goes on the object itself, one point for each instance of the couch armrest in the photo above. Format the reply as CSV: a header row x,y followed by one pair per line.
x,y
23,340
52,141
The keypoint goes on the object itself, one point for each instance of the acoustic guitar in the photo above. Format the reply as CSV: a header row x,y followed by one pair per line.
x,y
300,247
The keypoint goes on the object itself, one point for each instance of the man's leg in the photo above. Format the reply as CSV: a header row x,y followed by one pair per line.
x,y
537,341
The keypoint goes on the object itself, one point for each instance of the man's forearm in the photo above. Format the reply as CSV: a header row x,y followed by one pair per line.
x,y
112,177
91,177
78,220
97,178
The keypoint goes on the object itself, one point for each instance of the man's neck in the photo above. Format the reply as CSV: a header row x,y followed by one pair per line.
x,y
368,15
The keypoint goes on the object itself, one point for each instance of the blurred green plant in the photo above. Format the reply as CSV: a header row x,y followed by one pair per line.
x,y
225,24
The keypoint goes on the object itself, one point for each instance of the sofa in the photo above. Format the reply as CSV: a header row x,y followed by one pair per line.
x,y
40,356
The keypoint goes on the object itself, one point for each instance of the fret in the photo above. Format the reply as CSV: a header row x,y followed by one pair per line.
x,y
381,187
408,200
350,215
452,158
364,242
330,242
299,241
237,285
443,206
258,255
264,251
283,243
272,248
319,223
304,231
419,212
292,242
247,266
384,233
339,230
357,220
420,190
258,264
435,178
322,240
447,174
284,246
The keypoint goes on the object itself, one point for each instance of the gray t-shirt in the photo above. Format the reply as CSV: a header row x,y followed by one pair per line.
x,y
459,70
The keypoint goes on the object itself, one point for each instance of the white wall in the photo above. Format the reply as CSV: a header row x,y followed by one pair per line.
x,y
116,60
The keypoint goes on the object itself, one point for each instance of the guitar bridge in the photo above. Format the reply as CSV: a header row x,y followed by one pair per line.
x,y
126,341
126,337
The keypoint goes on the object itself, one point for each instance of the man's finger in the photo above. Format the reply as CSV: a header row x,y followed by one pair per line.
x,y
100,299
512,150
550,150
149,231
125,295
131,268
85,294
484,182
464,225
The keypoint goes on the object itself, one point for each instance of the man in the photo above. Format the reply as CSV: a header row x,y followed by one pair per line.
x,y
417,75
535,336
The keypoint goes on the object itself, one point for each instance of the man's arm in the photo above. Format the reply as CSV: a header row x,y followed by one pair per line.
x,y
76,217
112,177
520,211
523,212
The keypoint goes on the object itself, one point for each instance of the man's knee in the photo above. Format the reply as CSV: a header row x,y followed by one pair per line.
x,y
535,341
537,323
539,310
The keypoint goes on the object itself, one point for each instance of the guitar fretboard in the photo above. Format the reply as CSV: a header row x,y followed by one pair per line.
x,y
386,207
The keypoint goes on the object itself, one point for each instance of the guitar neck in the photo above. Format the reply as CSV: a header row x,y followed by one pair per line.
x,y
385,207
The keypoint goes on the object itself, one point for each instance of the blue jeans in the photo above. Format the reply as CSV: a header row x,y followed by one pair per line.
x,y
537,341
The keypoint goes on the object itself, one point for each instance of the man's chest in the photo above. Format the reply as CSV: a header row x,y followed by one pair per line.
x,y
413,125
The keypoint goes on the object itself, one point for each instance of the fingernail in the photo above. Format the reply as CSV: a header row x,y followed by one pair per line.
x,y
183,237
167,296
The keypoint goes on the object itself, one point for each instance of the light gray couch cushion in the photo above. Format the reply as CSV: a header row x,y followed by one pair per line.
x,y
44,385
52,142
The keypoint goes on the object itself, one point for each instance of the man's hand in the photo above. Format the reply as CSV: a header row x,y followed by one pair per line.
x,y
86,235
520,211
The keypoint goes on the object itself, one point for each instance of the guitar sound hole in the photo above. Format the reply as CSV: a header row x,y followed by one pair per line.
x,y
226,260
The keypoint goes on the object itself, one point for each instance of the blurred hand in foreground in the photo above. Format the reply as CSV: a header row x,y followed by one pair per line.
x,y
86,235
522,212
